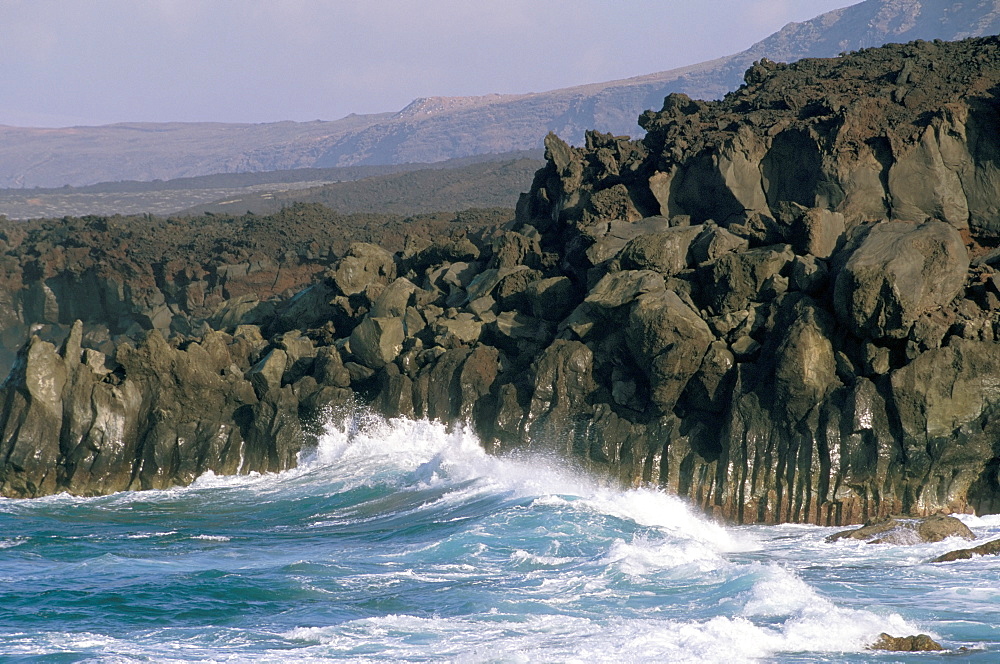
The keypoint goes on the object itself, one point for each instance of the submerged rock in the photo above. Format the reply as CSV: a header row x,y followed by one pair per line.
x,y
991,548
917,643
896,530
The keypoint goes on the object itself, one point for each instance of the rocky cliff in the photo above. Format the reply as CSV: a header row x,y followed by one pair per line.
x,y
781,305
123,276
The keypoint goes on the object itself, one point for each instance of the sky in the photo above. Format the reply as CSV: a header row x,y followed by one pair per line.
x,y
91,62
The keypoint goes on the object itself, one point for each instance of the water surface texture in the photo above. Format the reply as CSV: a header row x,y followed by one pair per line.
x,y
402,541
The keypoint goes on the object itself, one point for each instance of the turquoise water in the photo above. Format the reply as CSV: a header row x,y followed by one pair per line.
x,y
401,541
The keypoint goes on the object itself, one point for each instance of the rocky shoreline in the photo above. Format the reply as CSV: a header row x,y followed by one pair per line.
x,y
781,306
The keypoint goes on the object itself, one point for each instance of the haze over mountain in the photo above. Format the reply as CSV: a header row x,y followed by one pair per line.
x,y
438,128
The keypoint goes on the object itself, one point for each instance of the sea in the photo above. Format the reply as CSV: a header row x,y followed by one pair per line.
x,y
403,541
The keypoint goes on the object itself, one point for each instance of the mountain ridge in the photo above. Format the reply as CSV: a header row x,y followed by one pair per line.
x,y
462,126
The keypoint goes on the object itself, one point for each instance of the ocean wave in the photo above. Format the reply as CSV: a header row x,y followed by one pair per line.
x,y
403,540
563,638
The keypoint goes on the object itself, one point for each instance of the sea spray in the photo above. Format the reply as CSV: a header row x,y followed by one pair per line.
x,y
402,540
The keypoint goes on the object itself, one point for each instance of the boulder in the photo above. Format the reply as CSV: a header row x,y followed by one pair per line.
x,y
420,255
394,299
816,231
809,275
516,333
551,299
362,265
377,341
805,368
307,308
510,291
620,288
604,301
32,403
735,280
245,309
511,249
485,282
449,388
563,383
452,276
266,374
607,237
665,252
667,341
328,368
711,386
160,417
614,202
713,242
943,388
463,329
900,271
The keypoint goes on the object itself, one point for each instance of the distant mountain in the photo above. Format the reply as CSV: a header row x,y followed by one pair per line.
x,y
438,128
483,181
492,184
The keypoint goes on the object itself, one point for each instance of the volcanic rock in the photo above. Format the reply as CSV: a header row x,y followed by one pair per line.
x,y
900,271
766,306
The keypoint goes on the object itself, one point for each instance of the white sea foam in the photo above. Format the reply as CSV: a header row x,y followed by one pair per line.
x,y
984,521
432,455
564,638
165,533
644,556
780,612
521,556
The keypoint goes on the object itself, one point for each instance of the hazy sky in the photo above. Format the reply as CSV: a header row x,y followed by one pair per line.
x,y
69,62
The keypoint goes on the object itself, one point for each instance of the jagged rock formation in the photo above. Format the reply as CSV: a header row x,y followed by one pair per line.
x,y
831,266
123,276
440,128
782,306
162,417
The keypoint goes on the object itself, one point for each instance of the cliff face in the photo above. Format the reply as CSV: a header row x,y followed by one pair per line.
x,y
781,305
819,223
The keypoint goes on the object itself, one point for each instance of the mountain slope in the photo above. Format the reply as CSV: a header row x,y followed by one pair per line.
x,y
439,128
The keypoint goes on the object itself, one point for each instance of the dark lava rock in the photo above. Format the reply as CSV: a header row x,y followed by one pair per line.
x,y
900,271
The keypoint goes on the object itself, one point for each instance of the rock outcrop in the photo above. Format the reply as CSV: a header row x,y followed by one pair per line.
x,y
124,276
161,417
781,306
